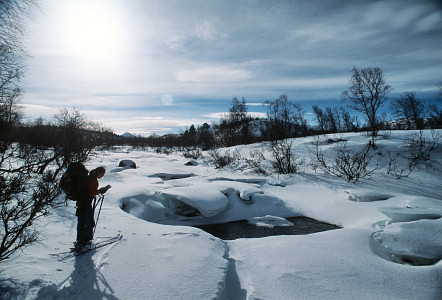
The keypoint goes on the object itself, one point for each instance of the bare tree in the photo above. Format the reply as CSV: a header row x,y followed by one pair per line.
x,y
285,118
238,111
320,118
349,123
240,120
435,112
333,119
235,127
367,93
205,137
410,108
24,194
76,138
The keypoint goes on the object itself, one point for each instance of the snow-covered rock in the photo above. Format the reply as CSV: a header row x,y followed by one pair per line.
x,y
127,163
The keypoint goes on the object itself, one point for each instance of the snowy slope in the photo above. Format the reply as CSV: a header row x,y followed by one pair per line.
x,y
386,223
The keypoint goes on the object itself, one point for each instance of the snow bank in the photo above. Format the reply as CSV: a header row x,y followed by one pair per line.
x,y
364,195
201,197
336,264
413,234
412,242
412,209
389,232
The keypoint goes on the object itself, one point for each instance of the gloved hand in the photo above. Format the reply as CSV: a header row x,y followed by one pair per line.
x,y
104,189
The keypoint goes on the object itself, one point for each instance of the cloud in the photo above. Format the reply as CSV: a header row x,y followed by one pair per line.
x,y
34,111
142,125
174,42
206,31
217,115
185,60
183,39
213,74
430,22
220,115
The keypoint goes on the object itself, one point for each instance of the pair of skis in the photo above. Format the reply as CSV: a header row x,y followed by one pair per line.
x,y
76,252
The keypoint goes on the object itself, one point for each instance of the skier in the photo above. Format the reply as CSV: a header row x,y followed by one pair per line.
x,y
85,212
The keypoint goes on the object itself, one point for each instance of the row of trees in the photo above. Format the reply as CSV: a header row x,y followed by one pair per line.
x,y
286,119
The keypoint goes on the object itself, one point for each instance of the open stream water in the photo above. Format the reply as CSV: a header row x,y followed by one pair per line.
x,y
244,229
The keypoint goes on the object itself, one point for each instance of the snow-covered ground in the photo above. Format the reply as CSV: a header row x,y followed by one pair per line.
x,y
389,247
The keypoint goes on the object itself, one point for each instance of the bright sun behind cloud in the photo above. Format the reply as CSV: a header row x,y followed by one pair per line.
x,y
92,29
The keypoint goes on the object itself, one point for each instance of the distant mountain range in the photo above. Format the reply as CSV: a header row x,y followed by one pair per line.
x,y
128,135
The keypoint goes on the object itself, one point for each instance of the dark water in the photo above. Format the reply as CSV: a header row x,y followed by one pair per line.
x,y
242,229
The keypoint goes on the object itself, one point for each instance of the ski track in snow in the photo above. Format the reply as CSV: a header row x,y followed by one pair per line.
x,y
415,187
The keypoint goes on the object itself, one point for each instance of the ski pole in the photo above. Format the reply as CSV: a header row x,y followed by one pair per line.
x,y
100,198
95,204
98,216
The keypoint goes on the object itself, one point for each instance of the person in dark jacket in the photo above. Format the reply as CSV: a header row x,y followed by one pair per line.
x,y
85,212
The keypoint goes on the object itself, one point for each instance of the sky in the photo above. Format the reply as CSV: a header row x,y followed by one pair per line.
x,y
153,66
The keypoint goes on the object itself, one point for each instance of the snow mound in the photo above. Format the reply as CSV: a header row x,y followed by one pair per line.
x,y
407,214
411,242
269,221
363,195
172,176
409,237
240,179
247,194
203,202
413,209
185,200
143,207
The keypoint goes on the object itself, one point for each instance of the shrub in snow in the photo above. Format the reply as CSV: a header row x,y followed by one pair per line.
x,y
420,147
349,165
192,153
395,168
255,161
286,161
220,160
24,197
418,150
